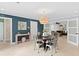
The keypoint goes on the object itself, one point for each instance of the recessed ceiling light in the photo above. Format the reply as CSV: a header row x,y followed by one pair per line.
x,y
44,11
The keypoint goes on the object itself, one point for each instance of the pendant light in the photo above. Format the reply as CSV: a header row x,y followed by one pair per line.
x,y
43,19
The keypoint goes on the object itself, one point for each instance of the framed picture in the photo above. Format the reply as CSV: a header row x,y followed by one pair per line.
x,y
22,25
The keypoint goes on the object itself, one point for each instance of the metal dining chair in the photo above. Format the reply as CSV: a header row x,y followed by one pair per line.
x,y
37,44
52,42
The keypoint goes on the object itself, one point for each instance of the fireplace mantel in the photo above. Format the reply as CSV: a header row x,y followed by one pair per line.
x,y
20,36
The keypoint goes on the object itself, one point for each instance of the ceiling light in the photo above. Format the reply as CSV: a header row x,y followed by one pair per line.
x,y
43,19
44,11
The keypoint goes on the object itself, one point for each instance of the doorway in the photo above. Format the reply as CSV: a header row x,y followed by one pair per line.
x,y
33,29
73,29
5,30
8,30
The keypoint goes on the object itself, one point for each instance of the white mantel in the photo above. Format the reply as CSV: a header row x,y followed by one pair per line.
x,y
19,35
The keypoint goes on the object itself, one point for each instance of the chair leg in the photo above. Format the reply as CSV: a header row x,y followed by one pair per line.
x,y
38,51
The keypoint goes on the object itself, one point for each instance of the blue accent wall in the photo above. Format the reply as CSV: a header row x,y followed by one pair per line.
x,y
15,20
40,27
15,26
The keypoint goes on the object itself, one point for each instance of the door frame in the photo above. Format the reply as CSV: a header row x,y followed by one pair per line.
x,y
33,25
2,33
10,28
76,44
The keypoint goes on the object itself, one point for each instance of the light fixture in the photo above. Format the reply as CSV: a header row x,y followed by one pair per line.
x,y
43,19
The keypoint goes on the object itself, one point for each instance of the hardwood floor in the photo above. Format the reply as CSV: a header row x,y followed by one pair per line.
x,y
67,49
27,49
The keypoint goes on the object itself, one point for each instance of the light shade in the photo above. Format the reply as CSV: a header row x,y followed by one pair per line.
x,y
43,20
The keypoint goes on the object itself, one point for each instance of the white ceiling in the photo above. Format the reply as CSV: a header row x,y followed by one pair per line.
x,y
53,10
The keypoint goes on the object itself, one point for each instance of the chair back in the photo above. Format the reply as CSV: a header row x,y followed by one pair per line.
x,y
54,37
